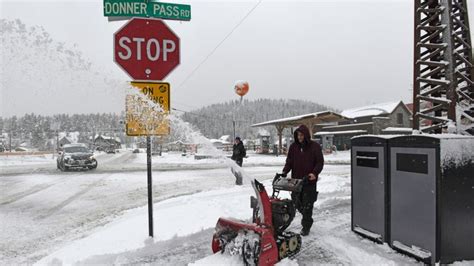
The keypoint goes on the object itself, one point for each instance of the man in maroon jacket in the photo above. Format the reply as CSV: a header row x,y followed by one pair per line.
x,y
305,158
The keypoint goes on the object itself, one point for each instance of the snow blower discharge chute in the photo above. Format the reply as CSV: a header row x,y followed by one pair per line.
x,y
264,241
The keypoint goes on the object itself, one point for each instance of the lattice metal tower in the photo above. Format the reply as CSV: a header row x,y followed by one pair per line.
x,y
443,90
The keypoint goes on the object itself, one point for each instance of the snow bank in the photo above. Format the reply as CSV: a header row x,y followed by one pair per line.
x,y
174,217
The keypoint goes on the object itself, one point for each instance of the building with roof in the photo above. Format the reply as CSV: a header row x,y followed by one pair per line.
x,y
102,142
64,141
333,130
310,120
376,119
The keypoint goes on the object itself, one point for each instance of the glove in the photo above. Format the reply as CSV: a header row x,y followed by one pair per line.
x,y
305,180
283,175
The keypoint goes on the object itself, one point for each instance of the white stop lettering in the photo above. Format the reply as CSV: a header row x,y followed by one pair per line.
x,y
161,48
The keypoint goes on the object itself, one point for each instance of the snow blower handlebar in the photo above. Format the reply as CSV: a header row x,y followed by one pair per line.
x,y
281,183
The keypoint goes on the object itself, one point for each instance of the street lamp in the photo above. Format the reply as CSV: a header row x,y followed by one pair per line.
x,y
241,88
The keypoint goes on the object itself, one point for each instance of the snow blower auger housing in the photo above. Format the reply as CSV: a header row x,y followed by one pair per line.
x,y
264,241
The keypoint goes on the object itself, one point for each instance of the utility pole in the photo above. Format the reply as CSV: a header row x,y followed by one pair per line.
x,y
233,124
443,79
10,135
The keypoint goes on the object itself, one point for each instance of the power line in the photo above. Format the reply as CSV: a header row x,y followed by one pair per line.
x,y
219,44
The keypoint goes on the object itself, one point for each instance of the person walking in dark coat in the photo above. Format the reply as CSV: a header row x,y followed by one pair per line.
x,y
238,154
305,158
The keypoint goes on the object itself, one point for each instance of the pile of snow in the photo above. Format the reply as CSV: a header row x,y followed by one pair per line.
x,y
173,218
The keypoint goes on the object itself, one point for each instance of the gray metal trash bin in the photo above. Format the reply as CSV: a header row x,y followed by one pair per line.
x,y
432,197
369,191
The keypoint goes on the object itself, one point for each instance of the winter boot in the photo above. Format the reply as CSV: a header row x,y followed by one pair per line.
x,y
304,231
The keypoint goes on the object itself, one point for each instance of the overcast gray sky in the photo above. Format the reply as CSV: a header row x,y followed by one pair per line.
x,y
339,53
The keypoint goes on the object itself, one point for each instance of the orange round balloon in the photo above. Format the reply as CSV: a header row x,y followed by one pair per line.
x,y
241,88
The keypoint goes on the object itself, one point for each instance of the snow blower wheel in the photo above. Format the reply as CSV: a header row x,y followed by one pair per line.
x,y
283,250
295,244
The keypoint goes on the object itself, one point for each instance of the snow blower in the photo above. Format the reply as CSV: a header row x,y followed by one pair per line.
x,y
264,241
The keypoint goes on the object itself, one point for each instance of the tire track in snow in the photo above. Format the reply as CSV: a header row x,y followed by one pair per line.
x,y
70,199
31,191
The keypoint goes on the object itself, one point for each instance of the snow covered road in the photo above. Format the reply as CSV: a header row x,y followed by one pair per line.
x,y
101,218
184,226
126,161
41,212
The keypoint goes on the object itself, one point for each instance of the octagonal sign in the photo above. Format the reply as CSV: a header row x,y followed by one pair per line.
x,y
147,49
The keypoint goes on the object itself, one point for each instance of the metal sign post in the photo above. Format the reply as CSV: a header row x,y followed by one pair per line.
x,y
143,120
150,186
147,50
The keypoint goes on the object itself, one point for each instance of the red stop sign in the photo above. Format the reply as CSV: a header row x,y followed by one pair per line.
x,y
146,49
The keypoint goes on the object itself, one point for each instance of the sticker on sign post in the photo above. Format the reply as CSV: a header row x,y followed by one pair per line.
x,y
148,116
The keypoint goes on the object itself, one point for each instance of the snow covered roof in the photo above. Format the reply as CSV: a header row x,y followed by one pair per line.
x,y
263,132
179,142
400,129
438,136
340,132
225,138
218,141
371,110
350,125
72,137
385,136
117,139
67,138
447,136
318,117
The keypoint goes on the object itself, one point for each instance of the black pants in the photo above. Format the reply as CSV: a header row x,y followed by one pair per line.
x,y
304,203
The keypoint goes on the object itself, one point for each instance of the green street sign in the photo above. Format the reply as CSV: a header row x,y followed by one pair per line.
x,y
147,9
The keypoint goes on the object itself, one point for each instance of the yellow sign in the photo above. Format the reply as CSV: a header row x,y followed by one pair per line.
x,y
146,117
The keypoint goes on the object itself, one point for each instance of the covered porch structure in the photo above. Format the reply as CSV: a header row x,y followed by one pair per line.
x,y
309,120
